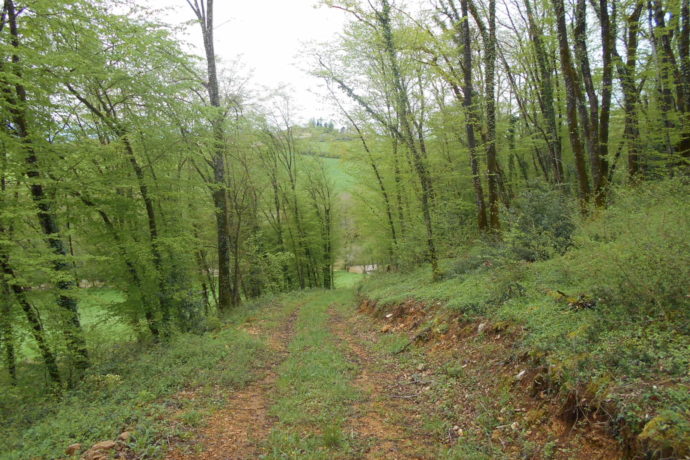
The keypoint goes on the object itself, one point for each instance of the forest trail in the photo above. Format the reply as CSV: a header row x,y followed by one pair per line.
x,y
339,398
335,385
389,407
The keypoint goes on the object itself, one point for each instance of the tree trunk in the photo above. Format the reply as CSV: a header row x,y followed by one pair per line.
x,y
667,73
571,90
471,116
631,94
7,332
163,296
491,160
589,106
47,219
34,321
608,40
403,110
547,98
220,199
684,58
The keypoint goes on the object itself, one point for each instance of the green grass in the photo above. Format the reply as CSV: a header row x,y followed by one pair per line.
x,y
345,279
343,181
102,329
314,391
135,387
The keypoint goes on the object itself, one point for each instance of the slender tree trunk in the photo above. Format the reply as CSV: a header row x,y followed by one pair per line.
x,y
589,106
163,296
570,79
397,176
684,58
208,287
287,279
328,251
631,94
608,40
46,217
7,332
666,72
235,240
547,98
34,321
220,200
403,109
471,116
491,160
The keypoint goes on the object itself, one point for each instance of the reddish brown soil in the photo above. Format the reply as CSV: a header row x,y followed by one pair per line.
x,y
237,430
525,412
391,406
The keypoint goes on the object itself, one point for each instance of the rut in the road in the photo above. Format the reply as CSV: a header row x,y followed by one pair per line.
x,y
382,419
237,430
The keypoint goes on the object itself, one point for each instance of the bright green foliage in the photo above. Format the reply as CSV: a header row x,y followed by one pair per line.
x,y
638,254
121,142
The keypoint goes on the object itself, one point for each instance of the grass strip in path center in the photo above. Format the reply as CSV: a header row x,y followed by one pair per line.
x,y
314,390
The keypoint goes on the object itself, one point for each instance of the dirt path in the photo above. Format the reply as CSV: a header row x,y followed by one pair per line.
x,y
238,429
385,419
335,387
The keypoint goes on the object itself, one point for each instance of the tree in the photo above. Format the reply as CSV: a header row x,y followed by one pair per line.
x,y
226,297
17,103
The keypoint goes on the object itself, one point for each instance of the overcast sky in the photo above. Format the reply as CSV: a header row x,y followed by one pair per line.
x,y
269,36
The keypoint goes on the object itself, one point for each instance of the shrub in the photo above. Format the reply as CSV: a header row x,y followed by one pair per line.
x,y
540,224
637,253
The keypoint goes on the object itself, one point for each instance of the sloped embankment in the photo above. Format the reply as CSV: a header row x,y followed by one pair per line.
x,y
587,341
507,399
495,399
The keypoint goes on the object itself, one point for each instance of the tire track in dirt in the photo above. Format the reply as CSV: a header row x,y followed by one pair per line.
x,y
237,430
382,419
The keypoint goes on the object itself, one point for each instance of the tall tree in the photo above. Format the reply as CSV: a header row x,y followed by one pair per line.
x,y
16,96
226,297
573,95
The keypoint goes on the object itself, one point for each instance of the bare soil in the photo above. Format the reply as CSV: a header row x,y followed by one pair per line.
x,y
237,430
382,420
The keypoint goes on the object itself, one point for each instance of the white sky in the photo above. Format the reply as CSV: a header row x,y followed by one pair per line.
x,y
268,36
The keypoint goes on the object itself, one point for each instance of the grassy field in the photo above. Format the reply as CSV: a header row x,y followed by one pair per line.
x,y
345,279
342,180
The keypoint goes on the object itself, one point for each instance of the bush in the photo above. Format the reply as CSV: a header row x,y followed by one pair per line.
x,y
637,253
540,224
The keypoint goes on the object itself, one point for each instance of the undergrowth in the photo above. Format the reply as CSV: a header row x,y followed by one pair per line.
x,y
133,388
608,314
